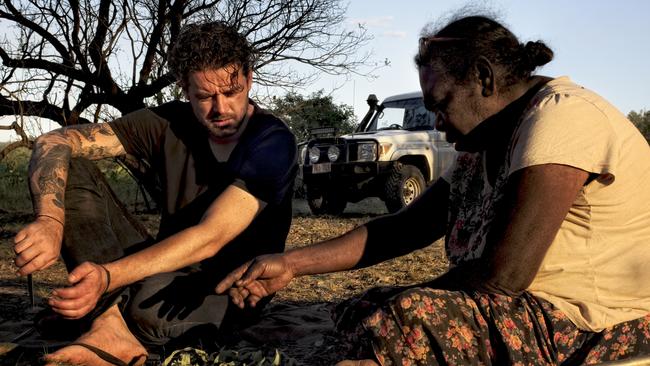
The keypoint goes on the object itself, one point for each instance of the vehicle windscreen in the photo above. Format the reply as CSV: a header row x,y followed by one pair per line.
x,y
408,114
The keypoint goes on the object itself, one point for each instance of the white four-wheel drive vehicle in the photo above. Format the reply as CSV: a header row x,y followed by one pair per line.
x,y
393,154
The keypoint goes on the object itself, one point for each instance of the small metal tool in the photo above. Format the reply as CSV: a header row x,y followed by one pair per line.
x,y
30,289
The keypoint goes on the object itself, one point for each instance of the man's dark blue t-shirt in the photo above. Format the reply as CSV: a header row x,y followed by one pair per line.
x,y
175,148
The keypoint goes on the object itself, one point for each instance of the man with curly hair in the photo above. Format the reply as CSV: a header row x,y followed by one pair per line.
x,y
224,169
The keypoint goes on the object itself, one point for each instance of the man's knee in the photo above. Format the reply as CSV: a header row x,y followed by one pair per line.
x,y
85,194
83,172
88,232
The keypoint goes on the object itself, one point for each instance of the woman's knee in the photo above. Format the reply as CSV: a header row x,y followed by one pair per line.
x,y
428,299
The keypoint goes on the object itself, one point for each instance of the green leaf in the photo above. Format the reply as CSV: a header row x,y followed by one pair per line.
x,y
187,357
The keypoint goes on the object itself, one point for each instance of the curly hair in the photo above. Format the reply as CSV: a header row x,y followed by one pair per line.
x,y
205,46
460,43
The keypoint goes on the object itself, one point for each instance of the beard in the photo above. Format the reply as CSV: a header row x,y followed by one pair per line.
x,y
222,131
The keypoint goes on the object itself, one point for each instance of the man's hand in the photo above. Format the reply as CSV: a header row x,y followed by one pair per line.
x,y
88,282
38,245
256,279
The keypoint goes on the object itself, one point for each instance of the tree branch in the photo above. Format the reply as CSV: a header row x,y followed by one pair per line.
x,y
45,65
17,17
30,108
154,40
24,140
114,53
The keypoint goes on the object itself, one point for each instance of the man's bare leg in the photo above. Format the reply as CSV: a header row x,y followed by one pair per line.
x,y
108,333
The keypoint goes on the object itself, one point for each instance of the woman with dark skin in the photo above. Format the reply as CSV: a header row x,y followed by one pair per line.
x,y
539,249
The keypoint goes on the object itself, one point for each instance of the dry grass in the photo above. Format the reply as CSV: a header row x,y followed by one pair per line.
x,y
413,268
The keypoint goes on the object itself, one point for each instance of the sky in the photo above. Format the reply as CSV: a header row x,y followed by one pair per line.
x,y
600,44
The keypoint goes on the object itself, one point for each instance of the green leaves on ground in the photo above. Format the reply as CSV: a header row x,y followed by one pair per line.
x,y
245,356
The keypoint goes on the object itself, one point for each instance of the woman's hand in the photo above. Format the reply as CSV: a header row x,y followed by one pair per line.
x,y
256,279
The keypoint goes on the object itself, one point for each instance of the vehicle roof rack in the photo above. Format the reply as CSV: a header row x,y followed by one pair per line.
x,y
322,132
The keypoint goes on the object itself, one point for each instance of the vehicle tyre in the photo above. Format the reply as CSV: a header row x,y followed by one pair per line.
x,y
325,203
403,185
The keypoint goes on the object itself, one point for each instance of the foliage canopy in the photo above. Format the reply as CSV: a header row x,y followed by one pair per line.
x,y
641,120
317,110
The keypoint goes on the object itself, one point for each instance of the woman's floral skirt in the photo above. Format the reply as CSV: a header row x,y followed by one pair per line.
x,y
424,326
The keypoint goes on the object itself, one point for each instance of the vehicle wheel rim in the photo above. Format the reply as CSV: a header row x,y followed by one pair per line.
x,y
411,190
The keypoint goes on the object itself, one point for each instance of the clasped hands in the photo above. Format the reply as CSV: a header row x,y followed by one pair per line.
x,y
256,279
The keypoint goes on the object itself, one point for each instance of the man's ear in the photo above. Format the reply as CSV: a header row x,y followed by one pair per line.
x,y
485,75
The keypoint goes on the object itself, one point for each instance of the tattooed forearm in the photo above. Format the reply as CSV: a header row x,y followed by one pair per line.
x,y
48,171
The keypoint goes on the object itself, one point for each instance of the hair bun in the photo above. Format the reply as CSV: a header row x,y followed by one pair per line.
x,y
537,54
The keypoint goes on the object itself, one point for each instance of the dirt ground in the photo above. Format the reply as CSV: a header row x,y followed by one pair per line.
x,y
15,307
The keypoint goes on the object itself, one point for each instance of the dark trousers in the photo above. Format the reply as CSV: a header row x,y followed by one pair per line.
x,y
159,308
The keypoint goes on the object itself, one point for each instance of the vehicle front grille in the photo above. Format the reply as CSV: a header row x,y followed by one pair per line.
x,y
348,150
323,152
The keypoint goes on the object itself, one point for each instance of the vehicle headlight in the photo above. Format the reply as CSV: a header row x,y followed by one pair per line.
x,y
303,154
333,153
314,154
367,151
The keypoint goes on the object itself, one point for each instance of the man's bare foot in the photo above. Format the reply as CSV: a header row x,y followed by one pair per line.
x,y
357,363
108,333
